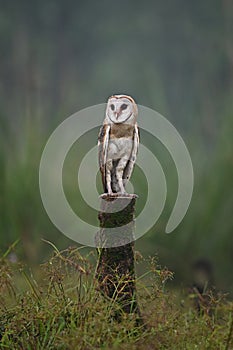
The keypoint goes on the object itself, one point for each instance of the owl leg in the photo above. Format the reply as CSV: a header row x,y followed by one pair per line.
x,y
108,176
119,173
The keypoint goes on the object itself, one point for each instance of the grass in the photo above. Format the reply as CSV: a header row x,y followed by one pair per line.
x,y
61,308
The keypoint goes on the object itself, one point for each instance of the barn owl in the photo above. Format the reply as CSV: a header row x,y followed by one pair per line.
x,y
118,143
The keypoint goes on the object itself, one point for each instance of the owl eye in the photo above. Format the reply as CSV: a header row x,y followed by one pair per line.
x,y
124,106
112,107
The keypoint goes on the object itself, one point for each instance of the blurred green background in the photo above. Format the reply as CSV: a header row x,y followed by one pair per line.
x,y
57,57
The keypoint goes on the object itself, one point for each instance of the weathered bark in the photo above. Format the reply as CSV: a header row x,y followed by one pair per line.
x,y
115,270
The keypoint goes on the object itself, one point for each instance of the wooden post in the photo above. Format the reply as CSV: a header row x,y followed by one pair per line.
x,y
115,272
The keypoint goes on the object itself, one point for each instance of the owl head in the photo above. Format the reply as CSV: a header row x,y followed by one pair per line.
x,y
121,109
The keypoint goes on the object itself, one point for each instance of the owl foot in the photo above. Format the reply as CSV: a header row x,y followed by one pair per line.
x,y
109,195
123,193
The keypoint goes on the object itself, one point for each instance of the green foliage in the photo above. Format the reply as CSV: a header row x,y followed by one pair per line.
x,y
62,309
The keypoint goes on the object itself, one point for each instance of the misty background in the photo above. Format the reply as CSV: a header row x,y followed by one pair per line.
x,y
58,57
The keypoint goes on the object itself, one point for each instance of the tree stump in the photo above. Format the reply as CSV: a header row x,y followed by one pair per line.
x,y
115,271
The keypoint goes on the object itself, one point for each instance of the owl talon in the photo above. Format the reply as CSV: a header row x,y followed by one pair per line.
x,y
123,193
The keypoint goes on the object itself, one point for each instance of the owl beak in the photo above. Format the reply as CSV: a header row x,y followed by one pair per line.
x,y
117,114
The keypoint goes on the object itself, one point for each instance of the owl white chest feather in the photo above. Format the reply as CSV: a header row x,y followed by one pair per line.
x,y
119,148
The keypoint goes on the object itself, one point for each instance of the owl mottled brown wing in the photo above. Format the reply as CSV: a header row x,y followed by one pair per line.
x,y
103,140
129,167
